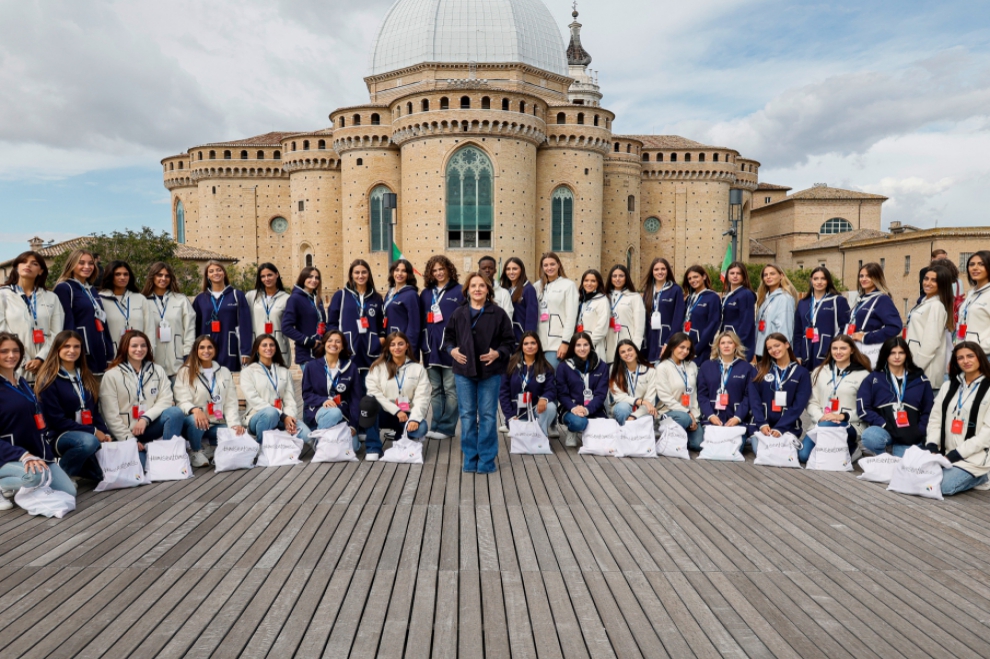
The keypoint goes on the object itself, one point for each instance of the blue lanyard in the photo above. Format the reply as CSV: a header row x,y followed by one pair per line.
x,y
684,376
475,317
525,375
268,309
899,389
781,376
390,296
163,302
211,386
815,308
400,380
332,380
725,373
271,380
691,305
216,305
139,377
766,303
77,386
960,401
25,394
861,303
89,294
438,294
32,302
617,300
657,294
836,385
632,383
970,299
584,307
126,314
359,300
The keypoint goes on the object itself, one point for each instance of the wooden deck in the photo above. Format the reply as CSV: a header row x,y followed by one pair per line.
x,y
553,556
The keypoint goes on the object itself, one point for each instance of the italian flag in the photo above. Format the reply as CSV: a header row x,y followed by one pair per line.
x,y
397,254
726,262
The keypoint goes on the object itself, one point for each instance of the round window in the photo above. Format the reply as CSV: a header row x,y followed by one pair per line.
x,y
279,224
652,225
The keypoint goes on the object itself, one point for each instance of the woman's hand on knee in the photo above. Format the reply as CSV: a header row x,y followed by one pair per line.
x,y
412,426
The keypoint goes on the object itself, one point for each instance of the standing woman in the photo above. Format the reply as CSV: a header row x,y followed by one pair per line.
x,y
529,386
739,307
775,299
29,310
525,305
632,384
835,393
269,396
974,314
122,300
627,314
821,314
69,396
398,396
480,341
441,297
171,319
778,393
356,310
305,320
677,387
582,387
403,312
224,314
593,311
558,298
76,291
331,386
703,313
723,383
267,302
931,324
957,425
663,302
206,394
874,319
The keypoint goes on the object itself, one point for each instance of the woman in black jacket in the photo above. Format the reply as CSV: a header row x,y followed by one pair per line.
x,y
480,340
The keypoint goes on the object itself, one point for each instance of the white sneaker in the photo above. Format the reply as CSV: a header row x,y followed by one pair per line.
x,y
503,429
5,503
198,459
983,486
433,434
208,451
570,438
371,457
362,437
554,432
7,494
857,454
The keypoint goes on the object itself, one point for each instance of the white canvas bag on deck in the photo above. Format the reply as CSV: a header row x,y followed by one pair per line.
x,y
878,468
121,465
600,437
167,460
43,500
777,451
234,451
334,444
279,449
722,443
404,450
527,438
831,452
636,439
919,473
672,442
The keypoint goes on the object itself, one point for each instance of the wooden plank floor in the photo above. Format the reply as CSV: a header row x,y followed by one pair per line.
x,y
552,556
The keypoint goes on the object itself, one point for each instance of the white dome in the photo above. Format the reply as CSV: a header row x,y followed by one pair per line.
x,y
484,31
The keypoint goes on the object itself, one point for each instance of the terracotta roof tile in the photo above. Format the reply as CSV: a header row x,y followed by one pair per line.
x,y
671,142
756,248
268,139
771,186
183,252
840,239
833,193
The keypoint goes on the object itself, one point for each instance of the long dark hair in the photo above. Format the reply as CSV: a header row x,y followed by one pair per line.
x,y
192,361
410,274
258,286
41,279
506,283
699,270
107,283
305,274
572,353
766,361
954,370
350,275
386,355
617,378
649,282
741,267
629,285
584,296
857,360
673,342
983,254
149,283
51,366
320,350
830,288
10,336
429,281
125,345
888,346
256,356
207,285
874,272
540,365
945,282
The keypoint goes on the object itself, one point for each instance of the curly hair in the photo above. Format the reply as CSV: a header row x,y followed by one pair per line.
x,y
429,281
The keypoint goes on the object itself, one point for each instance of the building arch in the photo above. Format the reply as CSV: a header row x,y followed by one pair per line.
x,y
469,176
562,219
180,222
835,225
380,219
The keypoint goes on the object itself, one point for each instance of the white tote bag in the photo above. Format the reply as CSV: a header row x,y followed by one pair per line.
x,y
405,450
279,449
778,451
831,452
334,444
919,473
600,437
121,465
527,438
878,468
636,439
43,500
167,460
723,443
234,451
673,440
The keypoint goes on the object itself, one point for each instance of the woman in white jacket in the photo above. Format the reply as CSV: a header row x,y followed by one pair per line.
x,y
29,310
269,395
930,325
136,396
267,304
398,395
593,312
632,384
677,387
974,314
122,301
558,298
835,393
206,394
171,321
775,302
627,313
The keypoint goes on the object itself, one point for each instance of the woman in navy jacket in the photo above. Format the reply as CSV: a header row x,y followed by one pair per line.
x,y
664,301
356,310
703,312
739,309
403,311
525,303
531,374
582,386
780,392
820,316
331,386
223,313
305,319
895,400
440,298
83,309
723,383
874,319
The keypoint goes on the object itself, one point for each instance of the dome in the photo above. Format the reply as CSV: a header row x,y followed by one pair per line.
x,y
461,31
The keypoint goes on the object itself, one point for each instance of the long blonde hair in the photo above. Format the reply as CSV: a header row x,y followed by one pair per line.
x,y
785,284
740,352
68,270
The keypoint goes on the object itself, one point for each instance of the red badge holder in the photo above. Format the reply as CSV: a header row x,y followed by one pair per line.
x,y
809,333
38,336
687,326
99,325
957,426
902,419
321,329
278,403
763,326
686,400
580,328
269,328
962,331
86,417
215,326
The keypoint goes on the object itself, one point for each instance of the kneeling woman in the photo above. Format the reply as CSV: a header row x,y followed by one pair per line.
x,y
957,426
723,383
69,392
582,386
268,392
398,396
25,456
835,392
205,392
677,387
529,386
895,401
632,384
779,393
331,386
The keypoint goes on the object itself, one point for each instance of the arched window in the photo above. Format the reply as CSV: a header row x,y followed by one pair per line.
x,y
321,145
505,105
465,102
425,105
409,107
646,157
180,165
309,260
834,226
260,155
701,157
200,155
629,148
673,157
444,103
562,220
305,145
522,107
616,147
381,221
486,103
244,155
171,167
277,155
343,123
659,157
631,203
376,119
596,119
180,222
226,155
561,118
580,118
470,209
360,162
687,157
715,158
357,120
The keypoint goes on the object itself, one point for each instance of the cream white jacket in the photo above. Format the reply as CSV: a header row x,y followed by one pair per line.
x,y
415,387
16,318
593,318
118,320
646,389
975,314
847,393
119,394
188,396
929,341
631,319
256,302
560,302
259,393
181,319
502,298
975,450
670,387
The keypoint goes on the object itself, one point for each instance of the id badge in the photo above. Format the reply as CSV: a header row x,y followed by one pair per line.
x,y
616,325
904,333
851,328
723,402
902,419
962,331
655,321
763,326
957,426
833,404
99,325
809,333
336,400
136,412
278,403
210,409
362,324
685,400
403,403
524,399
385,322
215,326
438,316
164,333
687,327
544,317
612,322
39,421
429,317
38,336
589,395
85,417
815,337
321,329
269,328
579,328
779,400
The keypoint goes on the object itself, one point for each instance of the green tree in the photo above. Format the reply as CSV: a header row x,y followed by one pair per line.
x,y
242,275
800,278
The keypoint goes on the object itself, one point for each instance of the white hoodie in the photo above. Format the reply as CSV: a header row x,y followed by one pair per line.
x,y
119,394
670,387
259,394
175,310
592,317
559,304
198,395
128,312
17,318
929,341
847,392
415,387
256,301
646,389
631,321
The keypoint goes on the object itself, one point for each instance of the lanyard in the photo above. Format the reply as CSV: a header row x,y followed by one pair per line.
x,y
77,386
585,376
390,296
691,305
725,373
359,300
617,300
584,307
31,302
836,385
816,307
161,303
970,389
268,308
272,376
899,389
26,394
125,313
89,294
861,302
526,372
475,317
633,383
400,380
210,386
657,294
216,305
438,294
781,376
684,376
139,377
970,299
766,303
316,305
332,380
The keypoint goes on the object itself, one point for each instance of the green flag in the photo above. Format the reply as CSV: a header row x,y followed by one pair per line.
x,y
726,262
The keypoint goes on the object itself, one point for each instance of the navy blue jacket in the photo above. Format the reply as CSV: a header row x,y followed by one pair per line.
x,y
316,391
831,320
405,314
301,321
345,315
671,306
236,329
475,336
739,316
705,321
798,388
883,323
876,403
60,402
540,386
709,382
570,386
449,299
526,312
18,432
80,316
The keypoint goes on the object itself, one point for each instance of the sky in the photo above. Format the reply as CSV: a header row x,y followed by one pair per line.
x,y
885,97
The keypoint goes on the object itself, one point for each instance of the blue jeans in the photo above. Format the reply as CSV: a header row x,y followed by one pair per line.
x,y
544,419
957,479
477,401
166,426
328,417
551,356
77,454
270,419
621,412
196,436
574,422
444,400
13,477
373,435
696,436
809,443
876,440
